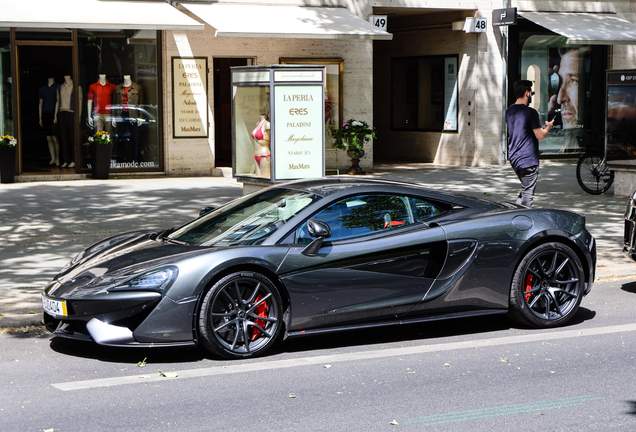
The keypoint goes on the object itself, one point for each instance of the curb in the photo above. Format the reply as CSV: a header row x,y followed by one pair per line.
x,y
21,320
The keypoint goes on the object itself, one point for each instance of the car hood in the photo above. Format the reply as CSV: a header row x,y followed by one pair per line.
x,y
117,259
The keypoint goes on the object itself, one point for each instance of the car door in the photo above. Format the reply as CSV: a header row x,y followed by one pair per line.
x,y
379,262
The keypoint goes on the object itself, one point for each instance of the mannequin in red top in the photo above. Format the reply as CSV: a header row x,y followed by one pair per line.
x,y
100,96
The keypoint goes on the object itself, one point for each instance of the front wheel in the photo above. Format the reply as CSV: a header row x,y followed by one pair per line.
x,y
547,287
592,173
240,316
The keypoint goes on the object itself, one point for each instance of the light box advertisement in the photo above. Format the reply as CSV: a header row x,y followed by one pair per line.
x,y
299,131
190,97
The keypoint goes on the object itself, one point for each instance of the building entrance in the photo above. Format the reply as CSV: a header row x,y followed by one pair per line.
x,y
41,70
223,108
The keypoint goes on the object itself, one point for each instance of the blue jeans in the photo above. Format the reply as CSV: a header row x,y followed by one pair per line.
x,y
528,178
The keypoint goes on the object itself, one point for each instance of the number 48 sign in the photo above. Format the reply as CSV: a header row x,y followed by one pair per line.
x,y
378,21
475,25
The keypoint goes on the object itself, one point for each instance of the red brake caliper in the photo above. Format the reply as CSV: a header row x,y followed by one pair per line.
x,y
528,285
261,311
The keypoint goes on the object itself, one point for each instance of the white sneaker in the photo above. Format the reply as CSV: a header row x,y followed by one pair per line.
x,y
64,165
71,165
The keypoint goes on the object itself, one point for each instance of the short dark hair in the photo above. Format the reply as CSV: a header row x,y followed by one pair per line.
x,y
521,87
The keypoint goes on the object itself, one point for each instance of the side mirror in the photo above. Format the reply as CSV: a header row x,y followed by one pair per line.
x,y
205,210
320,231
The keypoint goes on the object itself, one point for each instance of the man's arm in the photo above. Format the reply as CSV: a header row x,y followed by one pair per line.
x,y
541,133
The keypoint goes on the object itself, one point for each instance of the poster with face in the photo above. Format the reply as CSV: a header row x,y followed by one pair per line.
x,y
564,77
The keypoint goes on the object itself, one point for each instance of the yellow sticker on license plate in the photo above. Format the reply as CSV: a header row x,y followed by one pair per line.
x,y
54,307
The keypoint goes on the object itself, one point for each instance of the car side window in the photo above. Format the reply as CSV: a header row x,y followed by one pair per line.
x,y
361,215
423,209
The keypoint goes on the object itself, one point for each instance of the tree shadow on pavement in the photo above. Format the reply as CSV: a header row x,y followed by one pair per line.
x,y
629,287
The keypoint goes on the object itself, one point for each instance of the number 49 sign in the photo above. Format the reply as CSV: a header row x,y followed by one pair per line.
x,y
378,21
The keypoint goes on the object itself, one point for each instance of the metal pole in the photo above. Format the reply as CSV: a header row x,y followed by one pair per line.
x,y
504,63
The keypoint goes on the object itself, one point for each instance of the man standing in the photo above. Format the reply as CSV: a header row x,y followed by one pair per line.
x,y
524,133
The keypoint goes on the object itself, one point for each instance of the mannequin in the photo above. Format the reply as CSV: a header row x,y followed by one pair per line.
x,y
128,95
48,108
66,119
262,153
100,96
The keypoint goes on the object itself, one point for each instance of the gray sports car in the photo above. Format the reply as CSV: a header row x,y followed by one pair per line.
x,y
320,256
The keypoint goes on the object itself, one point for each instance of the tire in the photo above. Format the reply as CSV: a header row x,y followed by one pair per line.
x,y
240,316
593,178
547,287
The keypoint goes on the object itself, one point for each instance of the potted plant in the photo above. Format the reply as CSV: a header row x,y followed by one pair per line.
x,y
101,146
7,158
351,137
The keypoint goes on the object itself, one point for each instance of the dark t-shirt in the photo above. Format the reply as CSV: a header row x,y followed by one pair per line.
x,y
523,145
48,94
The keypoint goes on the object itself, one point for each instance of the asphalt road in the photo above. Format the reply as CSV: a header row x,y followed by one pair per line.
x,y
463,375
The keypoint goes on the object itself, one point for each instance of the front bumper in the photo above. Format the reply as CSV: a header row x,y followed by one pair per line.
x,y
105,321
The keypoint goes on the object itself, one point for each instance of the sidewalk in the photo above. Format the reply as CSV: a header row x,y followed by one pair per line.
x,y
44,224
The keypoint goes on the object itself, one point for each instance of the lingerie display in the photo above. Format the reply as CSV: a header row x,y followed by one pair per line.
x,y
258,158
258,133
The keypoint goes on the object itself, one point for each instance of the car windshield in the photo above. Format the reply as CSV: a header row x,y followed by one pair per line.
x,y
245,221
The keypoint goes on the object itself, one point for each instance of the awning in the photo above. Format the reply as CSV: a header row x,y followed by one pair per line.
x,y
243,20
586,28
94,14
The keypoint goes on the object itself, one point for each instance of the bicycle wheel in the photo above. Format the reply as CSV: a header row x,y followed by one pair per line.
x,y
592,173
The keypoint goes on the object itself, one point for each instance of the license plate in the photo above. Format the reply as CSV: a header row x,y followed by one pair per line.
x,y
54,307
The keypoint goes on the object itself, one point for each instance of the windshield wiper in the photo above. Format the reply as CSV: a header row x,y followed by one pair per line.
x,y
171,240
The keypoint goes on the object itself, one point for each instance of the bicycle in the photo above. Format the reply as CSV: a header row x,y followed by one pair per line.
x,y
592,172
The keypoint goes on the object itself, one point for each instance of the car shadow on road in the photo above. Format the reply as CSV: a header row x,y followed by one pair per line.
x,y
432,331
397,333
156,355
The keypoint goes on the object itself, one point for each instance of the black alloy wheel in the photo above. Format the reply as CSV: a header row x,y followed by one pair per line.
x,y
240,316
547,287
592,173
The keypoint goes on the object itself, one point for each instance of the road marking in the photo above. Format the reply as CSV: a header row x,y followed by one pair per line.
x,y
437,419
330,359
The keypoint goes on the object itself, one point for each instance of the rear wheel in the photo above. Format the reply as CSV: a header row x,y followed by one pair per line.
x,y
547,287
240,316
592,173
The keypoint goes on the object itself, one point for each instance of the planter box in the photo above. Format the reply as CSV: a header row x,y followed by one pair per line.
x,y
7,164
100,160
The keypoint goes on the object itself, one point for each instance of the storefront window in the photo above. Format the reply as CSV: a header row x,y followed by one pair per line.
x,y
424,93
252,129
562,80
6,80
118,93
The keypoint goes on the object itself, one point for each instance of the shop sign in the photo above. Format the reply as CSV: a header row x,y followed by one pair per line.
x,y
246,77
622,77
450,93
299,130
504,17
297,76
190,97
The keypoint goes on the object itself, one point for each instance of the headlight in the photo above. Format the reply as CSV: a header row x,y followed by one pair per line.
x,y
151,281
